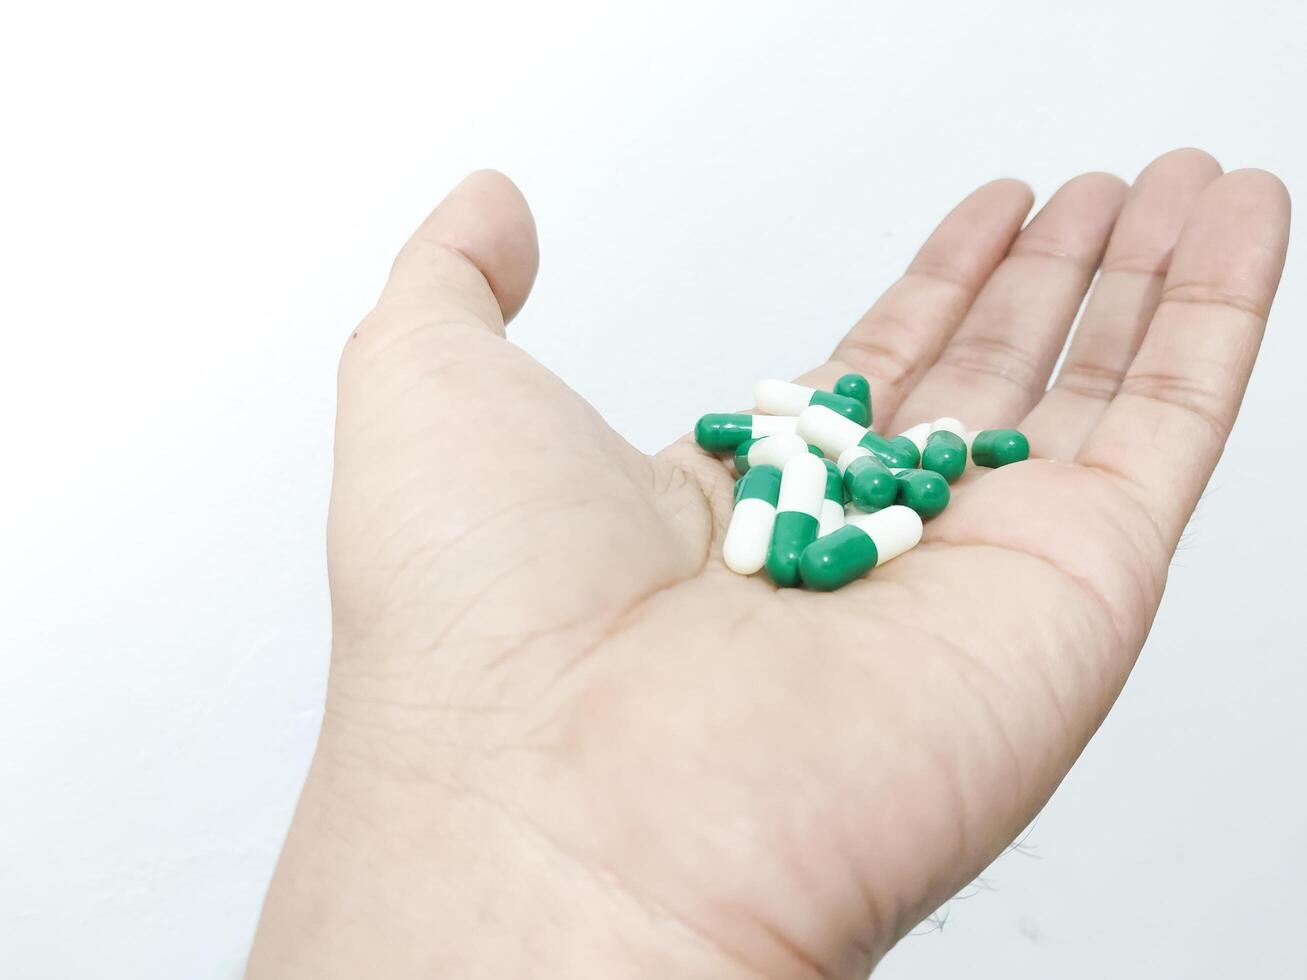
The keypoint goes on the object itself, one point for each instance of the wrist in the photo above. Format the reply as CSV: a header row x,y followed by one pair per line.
x,y
396,872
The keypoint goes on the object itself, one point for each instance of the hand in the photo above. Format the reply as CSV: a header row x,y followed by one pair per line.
x,y
561,737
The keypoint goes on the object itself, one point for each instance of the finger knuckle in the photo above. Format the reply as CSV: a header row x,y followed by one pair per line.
x,y
1179,391
876,348
1089,380
993,355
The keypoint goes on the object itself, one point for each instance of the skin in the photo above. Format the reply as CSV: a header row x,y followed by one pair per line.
x,y
561,739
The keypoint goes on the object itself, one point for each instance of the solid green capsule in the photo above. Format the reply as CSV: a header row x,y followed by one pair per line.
x,y
924,491
999,447
869,482
798,516
855,386
865,541
945,454
787,398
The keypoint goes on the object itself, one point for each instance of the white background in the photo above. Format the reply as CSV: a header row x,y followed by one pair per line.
x,y
198,203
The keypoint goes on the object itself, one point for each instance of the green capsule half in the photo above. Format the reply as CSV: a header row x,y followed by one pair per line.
x,y
834,483
855,386
945,454
924,491
723,432
848,407
760,483
838,559
741,455
998,447
883,449
793,533
870,484
907,449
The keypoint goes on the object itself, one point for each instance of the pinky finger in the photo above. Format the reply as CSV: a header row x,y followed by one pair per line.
x,y
1166,428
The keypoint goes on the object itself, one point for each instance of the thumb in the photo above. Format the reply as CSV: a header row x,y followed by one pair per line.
x,y
458,279
410,469
474,256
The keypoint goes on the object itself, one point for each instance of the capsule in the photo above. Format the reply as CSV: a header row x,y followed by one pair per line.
x,y
833,434
798,513
917,435
907,450
769,451
868,482
742,456
787,398
999,447
924,491
865,541
946,450
912,442
832,505
855,386
749,534
720,433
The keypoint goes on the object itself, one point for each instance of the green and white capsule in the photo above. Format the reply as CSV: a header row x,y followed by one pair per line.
x,y
787,398
857,387
917,435
945,451
865,541
833,434
911,443
998,447
723,432
924,491
768,451
749,534
798,516
832,505
868,482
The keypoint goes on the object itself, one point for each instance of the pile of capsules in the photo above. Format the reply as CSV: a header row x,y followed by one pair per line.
x,y
822,499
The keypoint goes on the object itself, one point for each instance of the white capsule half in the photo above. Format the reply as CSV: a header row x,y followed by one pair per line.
x,y
776,450
749,535
969,438
895,530
772,425
831,518
782,397
803,486
828,430
947,424
917,435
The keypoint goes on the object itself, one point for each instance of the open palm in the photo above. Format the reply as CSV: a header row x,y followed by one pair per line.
x,y
561,735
